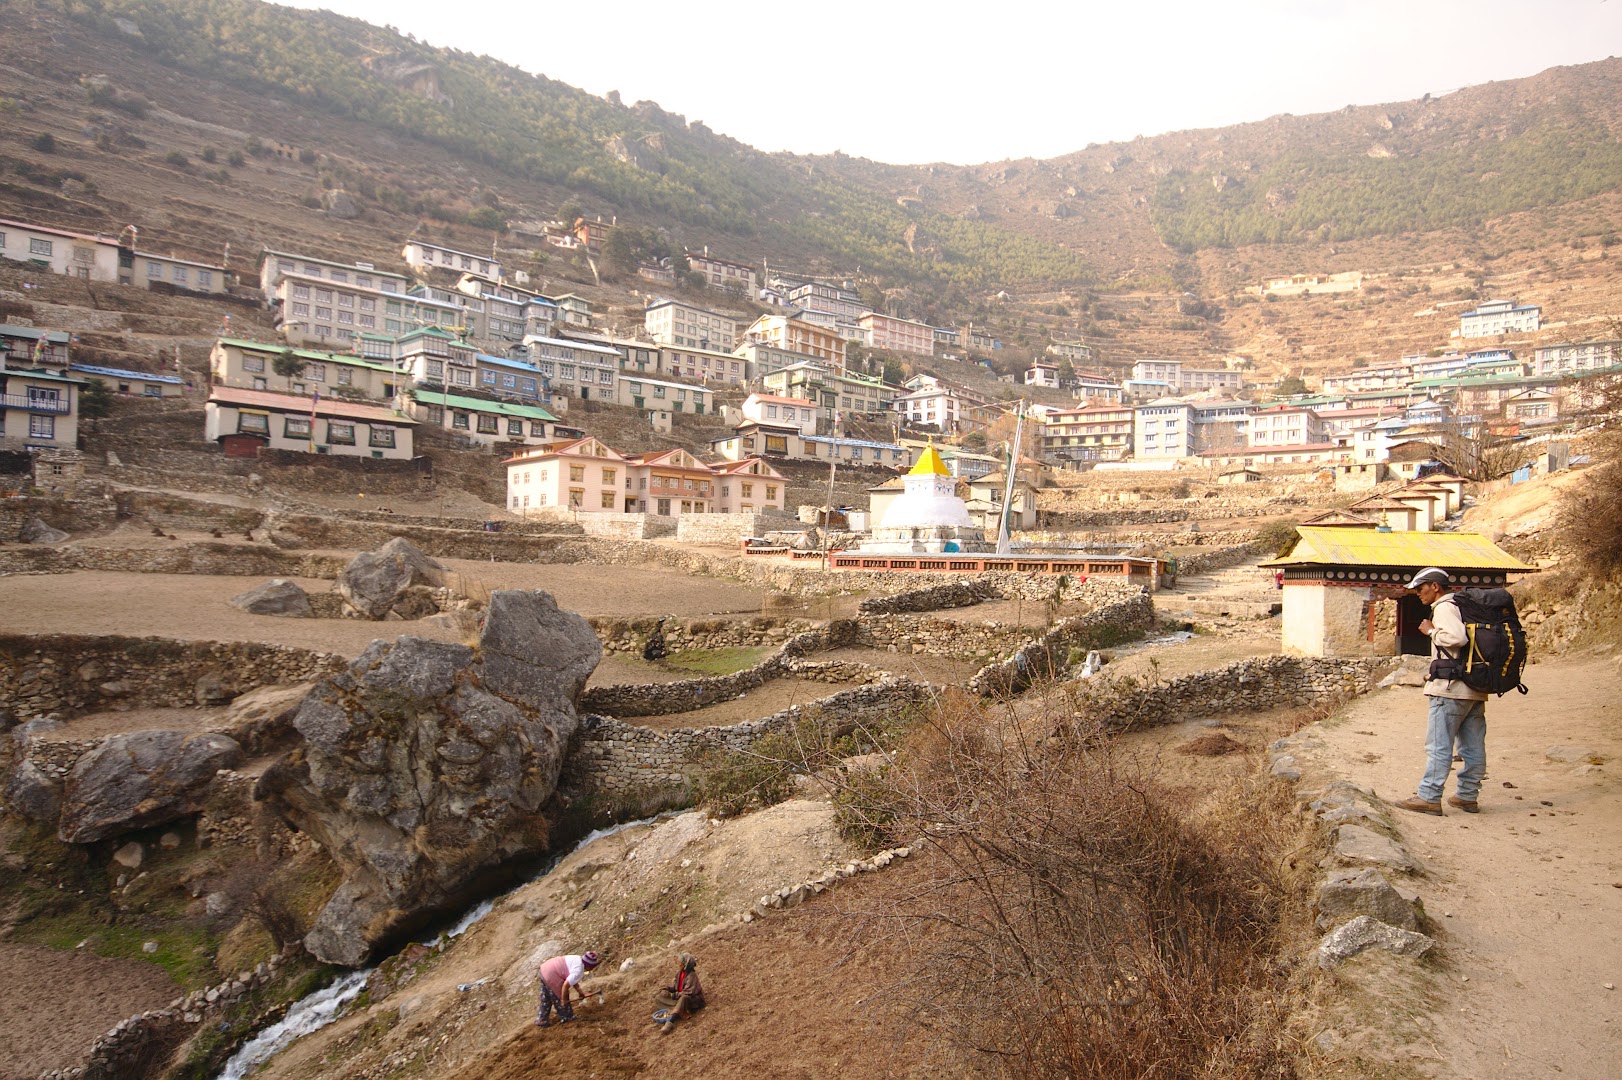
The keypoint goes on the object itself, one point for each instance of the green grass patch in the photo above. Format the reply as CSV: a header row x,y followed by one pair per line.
x,y
185,953
724,661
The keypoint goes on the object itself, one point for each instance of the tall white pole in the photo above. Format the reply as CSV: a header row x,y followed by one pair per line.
x,y
1003,545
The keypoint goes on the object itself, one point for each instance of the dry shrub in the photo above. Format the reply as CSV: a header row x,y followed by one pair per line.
x,y
1080,921
1589,523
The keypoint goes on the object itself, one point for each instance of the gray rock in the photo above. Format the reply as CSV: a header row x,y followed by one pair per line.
x,y
33,795
375,581
1285,767
1574,755
35,531
39,725
213,688
278,596
262,719
136,781
1346,894
426,763
339,204
1357,846
1366,932
130,856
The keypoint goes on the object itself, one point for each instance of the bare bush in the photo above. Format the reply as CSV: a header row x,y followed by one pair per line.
x,y
1079,920
256,891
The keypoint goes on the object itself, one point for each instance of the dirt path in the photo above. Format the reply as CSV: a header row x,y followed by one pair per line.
x,y
1527,894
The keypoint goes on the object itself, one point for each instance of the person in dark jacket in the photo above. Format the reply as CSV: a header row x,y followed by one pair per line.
x,y
683,997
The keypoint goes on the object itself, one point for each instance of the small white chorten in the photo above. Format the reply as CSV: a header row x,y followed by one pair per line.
x,y
928,516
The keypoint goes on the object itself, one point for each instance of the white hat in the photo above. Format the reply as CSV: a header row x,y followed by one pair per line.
x,y
1430,573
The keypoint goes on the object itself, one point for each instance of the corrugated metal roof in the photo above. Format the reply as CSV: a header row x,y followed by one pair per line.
x,y
506,408
1321,546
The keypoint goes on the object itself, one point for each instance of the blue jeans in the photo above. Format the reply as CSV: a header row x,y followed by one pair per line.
x,y
1455,722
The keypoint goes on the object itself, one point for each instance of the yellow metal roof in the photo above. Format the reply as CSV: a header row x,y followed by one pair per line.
x,y
930,462
1329,546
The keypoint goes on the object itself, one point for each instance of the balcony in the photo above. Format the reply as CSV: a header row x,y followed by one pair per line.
x,y
57,406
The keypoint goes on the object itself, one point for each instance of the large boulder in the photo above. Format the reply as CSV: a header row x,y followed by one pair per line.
x,y
374,582
262,719
35,531
32,794
427,763
278,596
136,781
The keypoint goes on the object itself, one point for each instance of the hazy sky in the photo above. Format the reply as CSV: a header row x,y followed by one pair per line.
x,y
910,83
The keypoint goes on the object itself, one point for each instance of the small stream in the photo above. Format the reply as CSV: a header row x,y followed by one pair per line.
x,y
316,1010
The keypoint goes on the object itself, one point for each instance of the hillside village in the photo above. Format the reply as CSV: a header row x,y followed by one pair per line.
x,y
440,577
369,356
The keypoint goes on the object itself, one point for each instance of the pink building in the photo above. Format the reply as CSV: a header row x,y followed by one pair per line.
x,y
582,475
897,335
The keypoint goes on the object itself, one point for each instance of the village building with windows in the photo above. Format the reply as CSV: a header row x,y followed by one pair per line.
x,y
576,369
798,413
422,256
274,265
131,383
244,422
39,409
251,365
717,367
880,331
796,335
582,475
750,486
105,258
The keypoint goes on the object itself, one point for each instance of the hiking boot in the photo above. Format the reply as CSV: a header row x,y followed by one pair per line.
x,y
1469,806
1419,806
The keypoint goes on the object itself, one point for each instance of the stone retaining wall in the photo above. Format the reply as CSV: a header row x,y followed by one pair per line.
x,y
1264,682
620,635
1203,562
70,515
217,557
444,542
952,594
133,1045
65,674
665,699
729,528
1048,656
612,757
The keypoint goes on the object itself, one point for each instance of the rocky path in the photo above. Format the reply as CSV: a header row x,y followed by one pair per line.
x,y
1526,896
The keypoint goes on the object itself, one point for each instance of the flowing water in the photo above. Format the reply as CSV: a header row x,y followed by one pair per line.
x,y
317,1010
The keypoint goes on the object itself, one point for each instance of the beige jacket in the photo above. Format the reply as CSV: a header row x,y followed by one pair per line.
x,y
1447,632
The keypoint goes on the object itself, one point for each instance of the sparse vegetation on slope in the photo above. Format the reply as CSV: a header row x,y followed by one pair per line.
x,y
1310,194
493,115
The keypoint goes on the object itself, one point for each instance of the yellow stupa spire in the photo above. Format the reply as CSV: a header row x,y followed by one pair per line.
x,y
930,463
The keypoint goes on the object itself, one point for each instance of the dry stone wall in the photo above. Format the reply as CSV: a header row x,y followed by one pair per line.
x,y
664,699
729,528
209,557
440,541
1244,686
630,635
612,757
1048,656
65,674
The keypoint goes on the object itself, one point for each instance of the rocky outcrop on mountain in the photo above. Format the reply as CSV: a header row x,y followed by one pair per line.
x,y
139,780
278,596
428,763
376,583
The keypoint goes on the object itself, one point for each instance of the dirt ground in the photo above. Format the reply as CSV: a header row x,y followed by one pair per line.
x,y
1526,895
194,606
774,696
88,994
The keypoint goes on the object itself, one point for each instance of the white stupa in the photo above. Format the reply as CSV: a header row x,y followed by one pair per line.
x,y
928,516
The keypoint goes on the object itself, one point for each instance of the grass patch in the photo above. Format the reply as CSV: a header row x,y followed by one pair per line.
x,y
185,953
724,661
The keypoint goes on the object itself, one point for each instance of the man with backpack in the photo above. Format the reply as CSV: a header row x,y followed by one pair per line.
x,y
1458,711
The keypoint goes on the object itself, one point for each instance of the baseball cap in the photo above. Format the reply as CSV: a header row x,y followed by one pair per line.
x,y
1430,573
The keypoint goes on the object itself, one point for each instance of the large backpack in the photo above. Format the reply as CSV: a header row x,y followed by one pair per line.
x,y
1494,652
